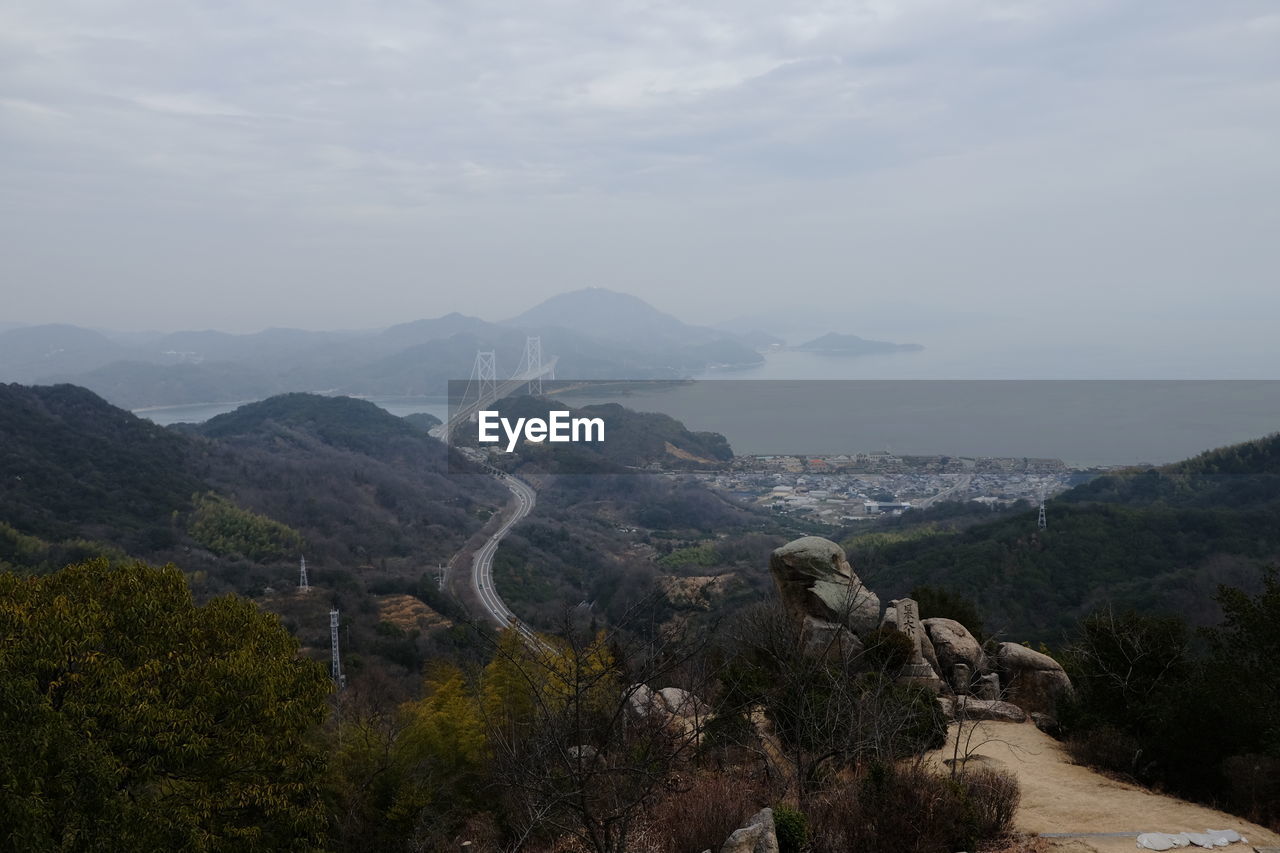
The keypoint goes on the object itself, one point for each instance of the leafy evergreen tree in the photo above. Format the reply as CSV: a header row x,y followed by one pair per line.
x,y
136,720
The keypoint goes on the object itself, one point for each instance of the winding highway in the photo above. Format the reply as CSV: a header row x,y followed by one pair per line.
x,y
482,562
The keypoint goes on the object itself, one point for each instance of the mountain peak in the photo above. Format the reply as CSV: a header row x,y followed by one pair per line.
x,y
603,313
417,332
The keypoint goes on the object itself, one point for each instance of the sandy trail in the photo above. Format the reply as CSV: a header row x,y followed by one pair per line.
x,y
1058,796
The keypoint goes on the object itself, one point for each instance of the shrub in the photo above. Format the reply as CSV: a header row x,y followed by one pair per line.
x,y
926,723
704,814
1107,747
1128,668
943,603
993,799
1254,784
887,650
894,809
792,828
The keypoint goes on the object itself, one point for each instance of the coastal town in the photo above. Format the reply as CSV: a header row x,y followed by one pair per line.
x,y
854,487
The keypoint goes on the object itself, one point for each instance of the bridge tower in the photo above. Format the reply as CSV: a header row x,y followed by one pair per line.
x,y
336,669
485,373
303,583
532,364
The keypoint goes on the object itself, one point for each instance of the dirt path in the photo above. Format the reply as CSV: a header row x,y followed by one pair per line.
x,y
1058,796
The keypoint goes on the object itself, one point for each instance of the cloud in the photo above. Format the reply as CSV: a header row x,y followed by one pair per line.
x,y
951,149
189,104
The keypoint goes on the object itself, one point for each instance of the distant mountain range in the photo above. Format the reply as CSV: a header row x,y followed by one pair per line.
x,y
595,333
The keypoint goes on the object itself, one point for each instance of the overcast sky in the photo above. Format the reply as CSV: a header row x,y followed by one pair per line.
x,y
1076,167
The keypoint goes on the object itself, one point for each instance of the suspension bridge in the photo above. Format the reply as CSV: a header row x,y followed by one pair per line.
x,y
483,388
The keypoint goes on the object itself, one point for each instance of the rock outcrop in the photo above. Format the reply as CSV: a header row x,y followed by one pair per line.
x,y
757,836
986,686
1047,724
1031,680
829,640
677,709
970,708
815,579
960,657
820,591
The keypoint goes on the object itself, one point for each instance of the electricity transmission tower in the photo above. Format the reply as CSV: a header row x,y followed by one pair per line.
x,y
338,678
303,584
1042,523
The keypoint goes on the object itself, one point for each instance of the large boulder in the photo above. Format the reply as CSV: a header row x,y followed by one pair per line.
x,y
829,640
676,709
986,686
758,835
815,579
1048,725
641,702
1032,681
682,703
961,678
971,708
955,647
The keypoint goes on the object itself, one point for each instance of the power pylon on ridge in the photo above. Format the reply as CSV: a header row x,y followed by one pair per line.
x,y
303,583
1042,523
336,670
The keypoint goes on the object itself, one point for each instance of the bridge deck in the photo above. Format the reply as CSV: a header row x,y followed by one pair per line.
x,y
505,389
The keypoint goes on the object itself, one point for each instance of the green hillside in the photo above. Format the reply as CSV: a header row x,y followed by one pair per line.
x,y
366,496
347,482
632,440
73,465
1159,539
338,421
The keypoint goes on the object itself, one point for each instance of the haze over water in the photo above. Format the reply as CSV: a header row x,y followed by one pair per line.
x,y
1081,422
805,403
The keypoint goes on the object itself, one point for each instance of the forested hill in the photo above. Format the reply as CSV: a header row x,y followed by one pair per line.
x,y
238,498
1240,475
1160,539
633,439
366,488
73,465
338,421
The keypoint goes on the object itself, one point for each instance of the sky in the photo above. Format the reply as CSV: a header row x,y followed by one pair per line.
x,y
1072,171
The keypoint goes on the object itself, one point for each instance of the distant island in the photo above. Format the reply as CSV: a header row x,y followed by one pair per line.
x,y
835,343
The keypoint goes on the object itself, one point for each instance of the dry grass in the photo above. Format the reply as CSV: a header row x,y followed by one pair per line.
x,y
409,614
703,812
694,591
910,809
1020,843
